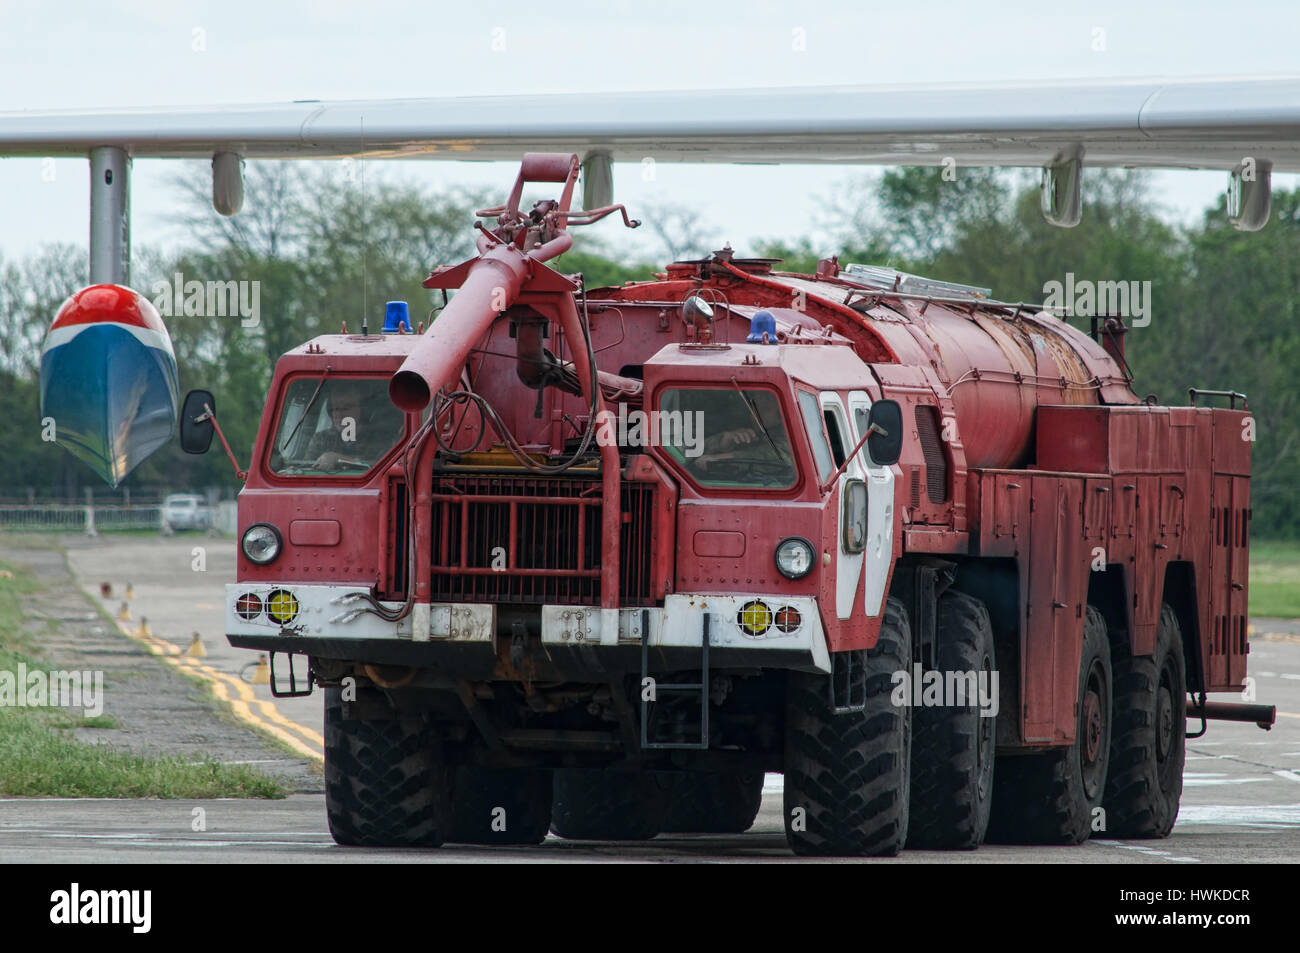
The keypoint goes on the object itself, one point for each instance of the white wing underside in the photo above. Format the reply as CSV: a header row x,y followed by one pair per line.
x,y
1211,124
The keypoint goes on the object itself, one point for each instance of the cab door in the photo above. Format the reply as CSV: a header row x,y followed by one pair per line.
x,y
852,519
878,554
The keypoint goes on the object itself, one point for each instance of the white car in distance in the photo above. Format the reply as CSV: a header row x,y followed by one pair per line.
x,y
186,511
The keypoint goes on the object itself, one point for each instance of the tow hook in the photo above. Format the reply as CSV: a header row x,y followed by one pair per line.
x,y
518,643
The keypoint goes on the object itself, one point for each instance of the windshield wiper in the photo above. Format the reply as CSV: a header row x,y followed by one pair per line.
x,y
305,411
753,412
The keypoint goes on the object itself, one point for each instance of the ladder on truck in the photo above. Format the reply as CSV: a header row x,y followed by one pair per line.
x,y
651,700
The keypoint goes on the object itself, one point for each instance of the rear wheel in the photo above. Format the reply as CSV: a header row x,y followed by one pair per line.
x,y
1052,798
608,805
846,775
386,784
501,806
953,747
1148,746
719,802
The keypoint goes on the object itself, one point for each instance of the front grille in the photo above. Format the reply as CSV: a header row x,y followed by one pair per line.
x,y
534,540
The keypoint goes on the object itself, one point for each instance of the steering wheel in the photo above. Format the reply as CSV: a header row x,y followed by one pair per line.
x,y
773,472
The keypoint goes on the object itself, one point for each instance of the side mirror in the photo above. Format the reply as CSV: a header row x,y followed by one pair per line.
x,y
196,435
885,433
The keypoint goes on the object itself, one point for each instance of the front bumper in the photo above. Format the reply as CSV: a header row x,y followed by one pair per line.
x,y
332,622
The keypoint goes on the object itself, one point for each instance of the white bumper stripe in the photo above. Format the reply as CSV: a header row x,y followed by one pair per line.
x,y
335,612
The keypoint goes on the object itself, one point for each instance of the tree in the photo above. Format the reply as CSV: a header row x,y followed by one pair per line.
x,y
916,212
680,229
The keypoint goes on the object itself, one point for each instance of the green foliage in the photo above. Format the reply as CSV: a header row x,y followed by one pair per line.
x,y
1240,330
40,760
1275,580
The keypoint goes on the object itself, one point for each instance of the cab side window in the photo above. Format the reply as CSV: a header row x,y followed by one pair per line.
x,y
812,419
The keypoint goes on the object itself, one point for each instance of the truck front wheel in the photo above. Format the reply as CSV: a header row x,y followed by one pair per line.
x,y
592,804
716,802
1053,798
386,784
953,747
501,806
846,774
1149,745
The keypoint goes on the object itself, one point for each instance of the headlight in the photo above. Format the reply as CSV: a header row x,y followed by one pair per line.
x,y
795,557
281,606
261,543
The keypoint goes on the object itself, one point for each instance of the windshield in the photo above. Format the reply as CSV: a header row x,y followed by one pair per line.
x,y
334,426
727,437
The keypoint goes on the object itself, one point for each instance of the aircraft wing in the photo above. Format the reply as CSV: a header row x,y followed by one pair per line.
x,y
1209,124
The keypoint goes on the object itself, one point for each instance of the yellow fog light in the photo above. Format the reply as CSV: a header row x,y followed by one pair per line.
x,y
754,618
281,606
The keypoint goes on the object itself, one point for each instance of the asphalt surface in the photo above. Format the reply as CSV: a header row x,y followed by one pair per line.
x,y
1235,810
1241,796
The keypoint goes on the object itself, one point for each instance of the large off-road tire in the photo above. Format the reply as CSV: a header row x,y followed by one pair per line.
x,y
501,806
846,775
1052,798
719,802
1148,744
608,805
953,748
386,784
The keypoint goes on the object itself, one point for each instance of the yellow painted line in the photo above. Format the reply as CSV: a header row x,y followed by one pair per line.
x,y
1287,714
244,691
298,737
268,708
241,709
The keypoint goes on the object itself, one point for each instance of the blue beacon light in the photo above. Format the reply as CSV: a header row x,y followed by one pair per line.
x,y
762,323
396,314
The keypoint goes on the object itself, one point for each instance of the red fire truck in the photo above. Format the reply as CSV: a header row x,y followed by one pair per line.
x,y
595,560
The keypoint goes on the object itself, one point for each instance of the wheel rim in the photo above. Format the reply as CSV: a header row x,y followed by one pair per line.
x,y
1167,727
1092,730
1164,724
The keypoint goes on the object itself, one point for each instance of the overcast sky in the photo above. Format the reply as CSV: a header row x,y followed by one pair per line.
x,y
78,54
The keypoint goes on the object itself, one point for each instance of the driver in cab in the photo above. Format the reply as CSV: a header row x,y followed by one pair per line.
x,y
359,433
744,440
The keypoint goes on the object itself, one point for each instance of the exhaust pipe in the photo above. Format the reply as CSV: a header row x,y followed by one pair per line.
x,y
1262,715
